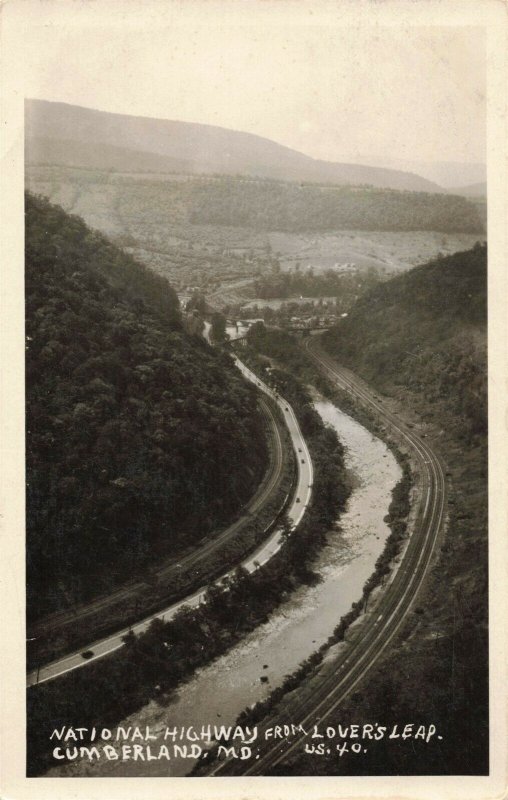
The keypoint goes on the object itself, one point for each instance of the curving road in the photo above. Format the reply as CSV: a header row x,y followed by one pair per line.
x,y
379,629
298,504
60,620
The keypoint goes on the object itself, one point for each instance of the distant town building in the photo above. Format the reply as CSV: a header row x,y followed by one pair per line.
x,y
183,298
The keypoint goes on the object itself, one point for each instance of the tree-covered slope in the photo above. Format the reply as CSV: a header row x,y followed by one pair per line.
x,y
140,439
425,332
421,338
271,205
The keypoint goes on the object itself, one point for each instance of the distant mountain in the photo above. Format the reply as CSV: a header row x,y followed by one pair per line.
x,y
447,174
69,153
472,190
60,133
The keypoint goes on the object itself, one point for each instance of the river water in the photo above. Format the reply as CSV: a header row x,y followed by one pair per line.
x,y
219,692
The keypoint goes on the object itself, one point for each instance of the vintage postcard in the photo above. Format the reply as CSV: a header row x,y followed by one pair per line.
x,y
254,359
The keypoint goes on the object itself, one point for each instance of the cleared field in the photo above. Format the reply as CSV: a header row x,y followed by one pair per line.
x,y
386,250
147,215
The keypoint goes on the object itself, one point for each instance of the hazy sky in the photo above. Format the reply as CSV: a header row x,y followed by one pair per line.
x,y
332,87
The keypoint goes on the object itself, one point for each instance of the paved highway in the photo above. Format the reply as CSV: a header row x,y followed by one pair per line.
x,y
322,698
296,508
59,621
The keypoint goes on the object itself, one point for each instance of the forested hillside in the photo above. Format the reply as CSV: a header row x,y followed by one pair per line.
x,y
425,332
162,220
279,206
421,338
284,285
140,439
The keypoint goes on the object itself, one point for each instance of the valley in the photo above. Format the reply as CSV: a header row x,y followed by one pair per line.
x,y
310,493
222,262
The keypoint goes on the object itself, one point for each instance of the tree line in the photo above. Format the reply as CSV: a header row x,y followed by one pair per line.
x,y
270,205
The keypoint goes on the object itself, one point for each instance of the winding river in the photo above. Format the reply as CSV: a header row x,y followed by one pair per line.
x,y
249,671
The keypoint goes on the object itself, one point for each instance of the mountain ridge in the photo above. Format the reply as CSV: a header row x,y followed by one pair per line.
x,y
208,148
470,190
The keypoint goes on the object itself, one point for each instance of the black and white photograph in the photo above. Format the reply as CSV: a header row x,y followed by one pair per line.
x,y
256,253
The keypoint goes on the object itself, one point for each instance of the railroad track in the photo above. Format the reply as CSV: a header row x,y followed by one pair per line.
x,y
302,491
60,620
379,630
